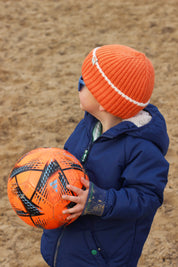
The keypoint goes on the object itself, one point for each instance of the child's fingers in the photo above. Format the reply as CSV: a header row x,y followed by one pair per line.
x,y
73,216
77,190
74,210
85,182
74,189
80,199
71,198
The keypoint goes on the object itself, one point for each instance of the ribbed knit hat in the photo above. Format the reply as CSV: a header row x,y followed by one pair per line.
x,y
120,78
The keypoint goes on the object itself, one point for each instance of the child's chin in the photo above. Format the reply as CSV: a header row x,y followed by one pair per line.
x,y
81,107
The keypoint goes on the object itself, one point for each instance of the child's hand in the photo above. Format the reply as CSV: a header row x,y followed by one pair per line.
x,y
80,199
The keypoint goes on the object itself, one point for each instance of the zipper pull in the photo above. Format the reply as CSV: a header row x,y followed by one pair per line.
x,y
84,157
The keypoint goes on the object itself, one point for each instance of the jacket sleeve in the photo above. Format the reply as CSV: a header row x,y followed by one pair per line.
x,y
144,176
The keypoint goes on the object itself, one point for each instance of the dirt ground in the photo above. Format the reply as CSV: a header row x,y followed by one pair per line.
x,y
42,46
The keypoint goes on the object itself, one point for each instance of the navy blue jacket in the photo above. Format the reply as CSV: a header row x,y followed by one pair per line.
x,y
128,174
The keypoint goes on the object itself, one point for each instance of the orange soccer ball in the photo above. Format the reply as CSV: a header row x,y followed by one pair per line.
x,y
38,181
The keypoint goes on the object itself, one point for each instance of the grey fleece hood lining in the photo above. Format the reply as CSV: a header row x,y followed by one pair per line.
x,y
141,119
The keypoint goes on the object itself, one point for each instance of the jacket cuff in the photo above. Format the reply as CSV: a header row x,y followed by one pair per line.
x,y
96,201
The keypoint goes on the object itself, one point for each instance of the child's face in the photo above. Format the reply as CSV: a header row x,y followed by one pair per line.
x,y
87,101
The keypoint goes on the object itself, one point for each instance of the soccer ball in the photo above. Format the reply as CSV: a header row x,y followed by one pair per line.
x,y
38,181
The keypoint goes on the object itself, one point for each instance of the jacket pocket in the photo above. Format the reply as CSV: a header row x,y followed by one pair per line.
x,y
95,248
117,243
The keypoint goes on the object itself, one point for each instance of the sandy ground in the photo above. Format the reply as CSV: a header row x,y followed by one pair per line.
x,y
42,46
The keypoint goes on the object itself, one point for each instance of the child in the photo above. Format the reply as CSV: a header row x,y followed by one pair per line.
x,y
121,142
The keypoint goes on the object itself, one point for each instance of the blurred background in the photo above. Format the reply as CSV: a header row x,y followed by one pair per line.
x,y
42,46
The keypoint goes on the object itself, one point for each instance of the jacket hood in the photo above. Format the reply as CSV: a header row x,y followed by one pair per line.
x,y
154,131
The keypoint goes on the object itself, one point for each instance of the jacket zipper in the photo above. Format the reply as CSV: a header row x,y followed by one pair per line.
x,y
86,152
97,131
57,248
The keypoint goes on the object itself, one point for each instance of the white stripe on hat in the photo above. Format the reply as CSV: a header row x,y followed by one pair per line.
x,y
95,62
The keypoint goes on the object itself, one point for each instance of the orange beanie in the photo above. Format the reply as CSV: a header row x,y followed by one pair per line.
x,y
120,78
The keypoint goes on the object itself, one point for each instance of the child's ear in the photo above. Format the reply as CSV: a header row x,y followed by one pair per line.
x,y
101,108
